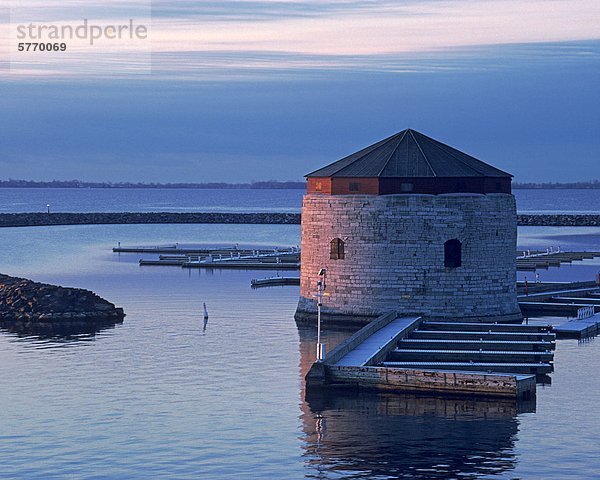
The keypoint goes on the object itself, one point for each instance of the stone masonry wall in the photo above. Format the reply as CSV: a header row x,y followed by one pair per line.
x,y
394,246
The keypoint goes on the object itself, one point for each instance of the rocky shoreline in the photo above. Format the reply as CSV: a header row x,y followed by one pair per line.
x,y
33,308
50,219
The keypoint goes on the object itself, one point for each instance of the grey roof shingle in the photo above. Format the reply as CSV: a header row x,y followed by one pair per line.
x,y
409,154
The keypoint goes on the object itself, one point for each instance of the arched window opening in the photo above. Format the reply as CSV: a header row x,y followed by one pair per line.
x,y
336,251
453,253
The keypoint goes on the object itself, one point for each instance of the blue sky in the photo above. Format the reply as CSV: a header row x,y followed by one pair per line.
x,y
242,90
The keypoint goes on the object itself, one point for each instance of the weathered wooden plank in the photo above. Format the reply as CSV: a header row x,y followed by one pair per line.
x,y
449,382
514,368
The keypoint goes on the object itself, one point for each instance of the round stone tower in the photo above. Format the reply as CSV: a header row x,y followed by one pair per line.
x,y
410,225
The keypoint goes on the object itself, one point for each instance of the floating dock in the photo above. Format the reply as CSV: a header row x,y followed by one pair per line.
x,y
275,281
587,325
531,261
219,258
243,265
560,299
409,354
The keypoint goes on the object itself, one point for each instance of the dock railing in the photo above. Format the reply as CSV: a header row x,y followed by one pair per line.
x,y
586,312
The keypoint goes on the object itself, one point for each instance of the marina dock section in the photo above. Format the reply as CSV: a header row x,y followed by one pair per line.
x,y
562,299
218,257
531,261
410,354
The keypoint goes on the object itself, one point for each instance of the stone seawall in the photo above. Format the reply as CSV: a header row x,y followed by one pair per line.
x,y
115,218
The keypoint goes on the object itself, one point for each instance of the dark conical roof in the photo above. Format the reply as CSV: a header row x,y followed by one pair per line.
x,y
409,154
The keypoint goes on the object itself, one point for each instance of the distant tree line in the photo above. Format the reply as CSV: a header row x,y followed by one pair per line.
x,y
556,185
269,184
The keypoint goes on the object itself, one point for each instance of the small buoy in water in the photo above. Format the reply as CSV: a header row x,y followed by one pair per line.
x,y
205,312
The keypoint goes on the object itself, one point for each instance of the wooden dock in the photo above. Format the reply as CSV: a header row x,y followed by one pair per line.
x,y
543,260
219,258
275,281
243,265
560,300
582,327
176,250
409,354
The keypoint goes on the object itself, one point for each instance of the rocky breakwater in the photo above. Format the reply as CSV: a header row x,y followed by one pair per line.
x,y
49,219
28,307
576,220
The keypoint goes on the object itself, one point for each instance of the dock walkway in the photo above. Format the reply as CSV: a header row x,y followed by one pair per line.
x,y
543,260
369,348
399,353
568,302
579,327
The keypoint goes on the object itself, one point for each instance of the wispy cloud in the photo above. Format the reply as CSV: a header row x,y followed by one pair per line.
x,y
232,65
382,27
194,38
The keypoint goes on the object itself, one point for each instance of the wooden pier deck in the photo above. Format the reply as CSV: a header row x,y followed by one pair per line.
x,y
409,354
243,265
274,282
560,300
218,258
579,327
543,260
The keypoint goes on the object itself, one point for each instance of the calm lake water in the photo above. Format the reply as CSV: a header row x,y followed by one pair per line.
x,y
164,396
243,200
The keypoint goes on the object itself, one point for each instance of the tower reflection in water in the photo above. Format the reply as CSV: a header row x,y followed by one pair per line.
x,y
350,434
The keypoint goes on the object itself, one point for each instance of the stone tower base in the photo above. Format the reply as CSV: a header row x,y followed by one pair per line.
x,y
393,257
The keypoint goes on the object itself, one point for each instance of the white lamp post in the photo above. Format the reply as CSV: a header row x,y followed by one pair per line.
x,y
321,285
